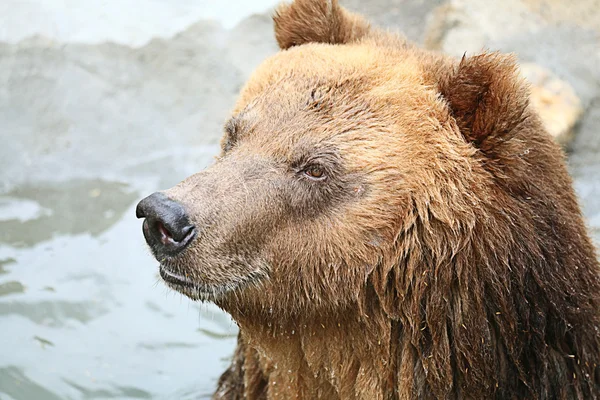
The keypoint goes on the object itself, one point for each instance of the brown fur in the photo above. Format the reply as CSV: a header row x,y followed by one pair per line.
x,y
442,255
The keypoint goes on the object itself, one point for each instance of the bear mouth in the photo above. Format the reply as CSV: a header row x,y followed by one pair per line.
x,y
175,279
189,288
200,291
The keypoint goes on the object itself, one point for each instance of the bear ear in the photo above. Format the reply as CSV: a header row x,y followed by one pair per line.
x,y
487,98
321,21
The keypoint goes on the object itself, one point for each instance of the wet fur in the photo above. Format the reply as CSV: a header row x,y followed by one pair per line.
x,y
471,275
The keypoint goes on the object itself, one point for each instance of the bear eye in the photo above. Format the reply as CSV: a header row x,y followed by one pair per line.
x,y
315,172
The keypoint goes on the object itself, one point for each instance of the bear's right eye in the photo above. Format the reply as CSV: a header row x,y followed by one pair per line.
x,y
315,172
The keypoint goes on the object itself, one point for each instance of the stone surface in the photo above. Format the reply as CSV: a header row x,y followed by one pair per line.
x,y
406,16
533,31
72,107
555,102
585,13
558,36
128,22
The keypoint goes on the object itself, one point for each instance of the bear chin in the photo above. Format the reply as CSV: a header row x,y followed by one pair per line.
x,y
200,291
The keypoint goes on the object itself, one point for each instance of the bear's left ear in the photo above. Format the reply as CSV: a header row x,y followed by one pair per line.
x,y
487,98
321,21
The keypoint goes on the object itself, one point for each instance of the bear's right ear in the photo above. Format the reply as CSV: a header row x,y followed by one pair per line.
x,y
487,98
320,21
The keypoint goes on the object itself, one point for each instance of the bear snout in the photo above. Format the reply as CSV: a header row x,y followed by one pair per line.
x,y
167,227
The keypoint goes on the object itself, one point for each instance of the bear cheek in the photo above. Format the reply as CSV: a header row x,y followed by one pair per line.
x,y
234,218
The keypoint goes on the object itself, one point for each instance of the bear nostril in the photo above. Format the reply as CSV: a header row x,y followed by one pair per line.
x,y
166,226
165,236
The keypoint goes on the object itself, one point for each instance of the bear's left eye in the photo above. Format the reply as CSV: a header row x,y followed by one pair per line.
x,y
315,172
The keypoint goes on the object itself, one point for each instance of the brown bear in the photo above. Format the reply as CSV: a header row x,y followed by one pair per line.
x,y
385,222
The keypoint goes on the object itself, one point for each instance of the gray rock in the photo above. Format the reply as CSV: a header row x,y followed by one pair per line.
x,y
68,110
405,16
555,102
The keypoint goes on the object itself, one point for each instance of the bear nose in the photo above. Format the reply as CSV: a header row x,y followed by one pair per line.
x,y
167,228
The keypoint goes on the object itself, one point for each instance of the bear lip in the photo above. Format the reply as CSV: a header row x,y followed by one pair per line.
x,y
204,292
191,289
175,279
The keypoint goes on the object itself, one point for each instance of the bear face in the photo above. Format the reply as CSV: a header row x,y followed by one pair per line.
x,y
386,222
313,185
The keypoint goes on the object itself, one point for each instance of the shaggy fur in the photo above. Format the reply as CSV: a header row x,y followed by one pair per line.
x,y
389,223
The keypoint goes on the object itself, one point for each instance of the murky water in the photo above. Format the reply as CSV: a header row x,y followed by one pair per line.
x,y
86,130
82,312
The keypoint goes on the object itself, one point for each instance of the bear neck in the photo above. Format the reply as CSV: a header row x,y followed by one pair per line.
x,y
503,306
488,316
344,357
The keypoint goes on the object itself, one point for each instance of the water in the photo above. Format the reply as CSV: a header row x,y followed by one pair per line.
x,y
82,310
86,131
